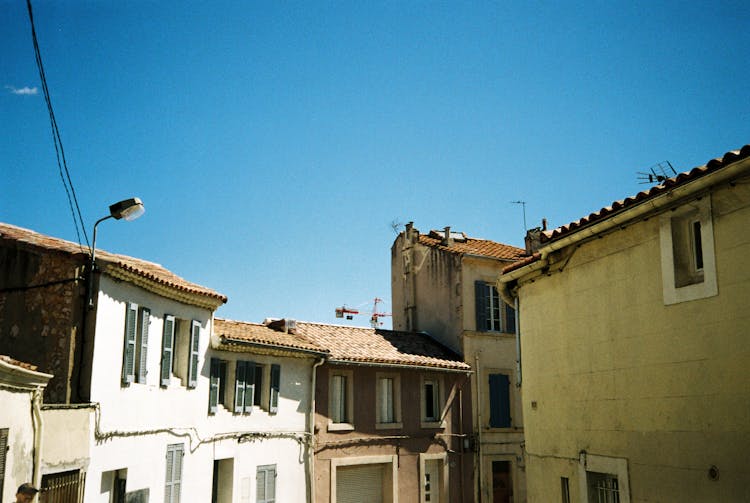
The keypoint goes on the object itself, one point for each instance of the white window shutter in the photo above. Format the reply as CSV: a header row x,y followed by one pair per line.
x,y
194,354
143,344
240,396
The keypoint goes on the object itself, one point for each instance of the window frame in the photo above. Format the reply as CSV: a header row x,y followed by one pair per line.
x,y
347,422
396,422
607,465
437,401
492,313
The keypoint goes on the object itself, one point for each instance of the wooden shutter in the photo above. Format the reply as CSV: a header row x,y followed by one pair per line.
x,y
195,334
240,387
480,297
174,473
143,344
510,319
128,357
265,484
249,387
273,404
213,388
167,349
499,401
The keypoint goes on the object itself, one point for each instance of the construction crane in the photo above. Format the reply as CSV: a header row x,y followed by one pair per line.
x,y
349,313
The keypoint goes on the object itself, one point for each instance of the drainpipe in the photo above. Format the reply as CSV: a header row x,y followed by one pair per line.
x,y
311,433
518,342
479,425
36,407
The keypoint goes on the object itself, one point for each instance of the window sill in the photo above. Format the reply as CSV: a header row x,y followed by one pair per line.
x,y
389,426
340,427
432,424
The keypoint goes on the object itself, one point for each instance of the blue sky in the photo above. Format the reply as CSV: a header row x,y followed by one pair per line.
x,y
273,144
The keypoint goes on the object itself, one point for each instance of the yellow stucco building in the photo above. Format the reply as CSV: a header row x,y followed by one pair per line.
x,y
634,346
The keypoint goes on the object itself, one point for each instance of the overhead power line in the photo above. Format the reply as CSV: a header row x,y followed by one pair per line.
x,y
61,163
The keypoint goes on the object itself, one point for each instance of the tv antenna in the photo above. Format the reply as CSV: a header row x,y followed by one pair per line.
x,y
522,203
658,173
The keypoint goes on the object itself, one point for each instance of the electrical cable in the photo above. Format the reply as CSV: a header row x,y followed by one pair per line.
x,y
60,153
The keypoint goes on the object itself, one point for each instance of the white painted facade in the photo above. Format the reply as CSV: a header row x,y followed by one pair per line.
x,y
131,426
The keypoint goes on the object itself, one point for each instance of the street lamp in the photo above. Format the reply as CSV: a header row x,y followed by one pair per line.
x,y
129,209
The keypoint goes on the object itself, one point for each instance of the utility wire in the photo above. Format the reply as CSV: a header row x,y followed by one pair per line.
x,y
61,163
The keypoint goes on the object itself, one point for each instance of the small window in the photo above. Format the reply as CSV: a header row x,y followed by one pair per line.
x,y
388,406
432,403
265,484
135,352
499,401
564,490
603,487
175,453
340,400
217,384
492,314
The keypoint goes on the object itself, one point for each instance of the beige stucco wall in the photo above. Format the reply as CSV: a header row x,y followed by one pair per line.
x,y
614,371
15,414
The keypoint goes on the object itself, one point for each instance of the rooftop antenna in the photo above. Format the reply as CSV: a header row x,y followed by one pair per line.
x,y
658,173
522,203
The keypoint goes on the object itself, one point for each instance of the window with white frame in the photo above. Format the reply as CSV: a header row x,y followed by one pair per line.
x,y
135,351
431,402
687,252
388,396
603,479
492,314
265,484
340,399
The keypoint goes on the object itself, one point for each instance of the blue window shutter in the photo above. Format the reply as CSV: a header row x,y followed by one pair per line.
x,y
195,334
143,344
249,386
499,401
273,404
480,296
167,349
510,319
213,390
128,357
240,376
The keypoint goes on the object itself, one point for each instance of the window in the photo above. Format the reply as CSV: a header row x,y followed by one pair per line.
x,y
275,387
175,453
502,482
431,403
388,406
63,486
217,384
258,387
245,388
340,398
687,253
167,349
603,488
499,401
492,314
603,479
564,490
265,484
135,352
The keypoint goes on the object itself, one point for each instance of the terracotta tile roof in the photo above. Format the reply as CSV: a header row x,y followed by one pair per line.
x,y
472,246
13,361
142,268
375,346
257,333
670,183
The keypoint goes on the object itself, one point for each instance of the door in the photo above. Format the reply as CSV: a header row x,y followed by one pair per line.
x,y
502,485
431,480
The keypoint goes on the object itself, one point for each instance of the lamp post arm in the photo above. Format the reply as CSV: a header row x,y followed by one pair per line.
x,y
92,265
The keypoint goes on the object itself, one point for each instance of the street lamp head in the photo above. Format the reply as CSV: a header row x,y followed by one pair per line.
x,y
129,209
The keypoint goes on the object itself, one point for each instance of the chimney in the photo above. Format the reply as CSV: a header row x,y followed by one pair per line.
x,y
447,241
411,234
533,240
285,325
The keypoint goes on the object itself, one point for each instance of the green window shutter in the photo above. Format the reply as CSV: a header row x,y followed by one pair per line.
x,y
499,401
239,387
175,453
213,389
510,319
128,357
273,403
167,349
480,301
250,390
143,344
195,333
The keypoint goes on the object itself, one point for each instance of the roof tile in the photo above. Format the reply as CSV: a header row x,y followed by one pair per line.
x,y
473,246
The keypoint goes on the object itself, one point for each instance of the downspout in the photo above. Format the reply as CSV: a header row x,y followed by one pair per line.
x,y
36,408
311,435
479,426
519,377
